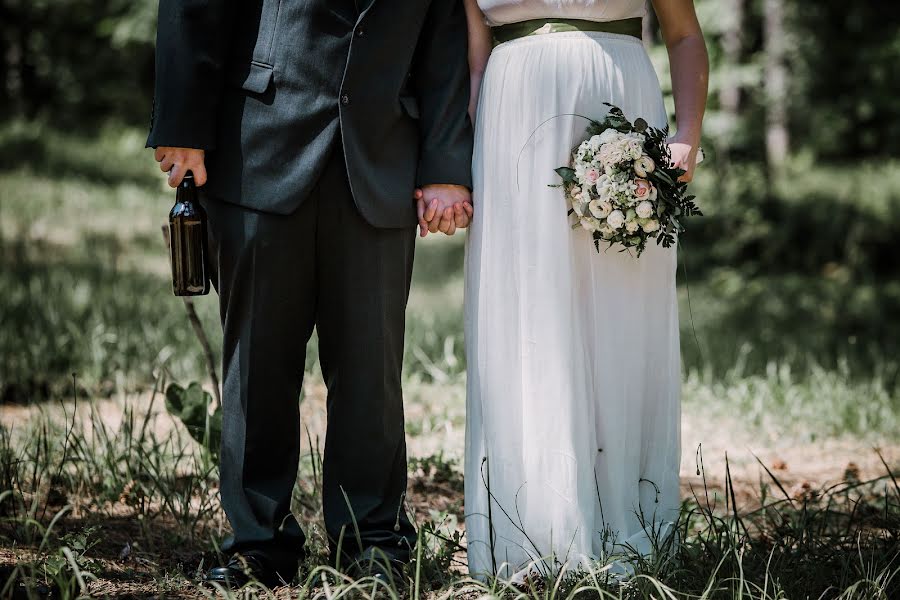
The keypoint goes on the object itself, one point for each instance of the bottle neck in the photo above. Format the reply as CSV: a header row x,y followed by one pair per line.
x,y
187,190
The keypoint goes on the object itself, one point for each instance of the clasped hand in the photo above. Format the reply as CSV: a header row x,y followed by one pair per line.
x,y
444,208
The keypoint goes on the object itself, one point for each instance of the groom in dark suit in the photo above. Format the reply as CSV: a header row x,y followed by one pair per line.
x,y
315,121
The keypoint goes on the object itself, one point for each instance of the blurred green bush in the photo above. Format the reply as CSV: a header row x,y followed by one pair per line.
x,y
838,220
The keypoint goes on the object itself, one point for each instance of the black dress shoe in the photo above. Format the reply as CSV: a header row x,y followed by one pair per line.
x,y
246,567
377,564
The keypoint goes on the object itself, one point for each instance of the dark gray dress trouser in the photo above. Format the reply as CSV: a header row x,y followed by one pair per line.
x,y
278,277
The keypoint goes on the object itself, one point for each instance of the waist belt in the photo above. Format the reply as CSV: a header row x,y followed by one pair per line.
x,y
512,31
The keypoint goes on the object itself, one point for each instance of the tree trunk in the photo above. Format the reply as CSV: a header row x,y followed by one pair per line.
x,y
10,46
776,81
732,51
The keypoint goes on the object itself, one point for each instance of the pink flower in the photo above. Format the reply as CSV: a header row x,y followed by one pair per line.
x,y
592,175
643,188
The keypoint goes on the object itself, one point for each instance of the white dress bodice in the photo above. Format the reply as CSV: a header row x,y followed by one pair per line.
x,y
512,11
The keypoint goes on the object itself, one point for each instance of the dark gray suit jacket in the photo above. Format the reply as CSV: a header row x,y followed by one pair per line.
x,y
267,86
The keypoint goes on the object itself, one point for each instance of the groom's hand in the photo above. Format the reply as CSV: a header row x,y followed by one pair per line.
x,y
178,161
444,208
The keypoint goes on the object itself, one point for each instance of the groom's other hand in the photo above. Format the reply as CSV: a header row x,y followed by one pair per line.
x,y
444,208
178,161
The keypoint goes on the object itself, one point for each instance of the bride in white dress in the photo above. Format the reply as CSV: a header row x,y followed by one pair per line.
x,y
573,435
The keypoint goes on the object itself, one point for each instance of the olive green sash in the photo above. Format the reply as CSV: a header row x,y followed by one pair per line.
x,y
512,31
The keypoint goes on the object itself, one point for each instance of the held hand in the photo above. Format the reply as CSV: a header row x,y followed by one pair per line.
x,y
685,156
178,161
444,208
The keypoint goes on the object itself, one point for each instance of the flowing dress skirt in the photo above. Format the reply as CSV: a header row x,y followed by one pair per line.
x,y
573,433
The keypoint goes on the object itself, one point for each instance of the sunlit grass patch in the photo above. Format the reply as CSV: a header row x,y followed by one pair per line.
x,y
809,403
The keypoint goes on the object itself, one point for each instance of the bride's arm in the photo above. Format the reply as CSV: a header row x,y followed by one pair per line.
x,y
480,44
690,75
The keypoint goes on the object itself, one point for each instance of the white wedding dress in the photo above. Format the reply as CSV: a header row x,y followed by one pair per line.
x,y
573,435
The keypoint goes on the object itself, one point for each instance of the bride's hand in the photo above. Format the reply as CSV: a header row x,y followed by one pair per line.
x,y
449,209
684,155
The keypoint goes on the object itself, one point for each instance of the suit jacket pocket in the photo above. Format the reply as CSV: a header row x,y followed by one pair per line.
x,y
410,106
253,76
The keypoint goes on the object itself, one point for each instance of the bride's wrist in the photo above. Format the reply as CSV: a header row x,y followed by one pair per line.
x,y
690,138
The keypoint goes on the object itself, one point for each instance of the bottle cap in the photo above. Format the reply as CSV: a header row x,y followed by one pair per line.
x,y
187,182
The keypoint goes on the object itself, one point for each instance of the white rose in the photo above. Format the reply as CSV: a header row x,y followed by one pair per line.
x,y
632,226
645,209
595,142
604,186
608,136
599,208
643,166
611,155
651,226
615,219
603,153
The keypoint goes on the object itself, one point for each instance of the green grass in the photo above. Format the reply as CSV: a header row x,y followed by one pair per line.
x,y
809,405
84,498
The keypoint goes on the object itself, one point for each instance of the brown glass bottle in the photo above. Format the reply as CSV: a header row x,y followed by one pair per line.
x,y
187,241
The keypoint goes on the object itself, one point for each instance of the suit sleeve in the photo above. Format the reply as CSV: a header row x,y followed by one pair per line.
x,y
441,82
191,47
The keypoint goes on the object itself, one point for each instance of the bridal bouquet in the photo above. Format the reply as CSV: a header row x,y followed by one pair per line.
x,y
621,186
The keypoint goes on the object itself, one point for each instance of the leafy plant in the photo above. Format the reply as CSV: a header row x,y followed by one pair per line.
x,y
191,406
66,570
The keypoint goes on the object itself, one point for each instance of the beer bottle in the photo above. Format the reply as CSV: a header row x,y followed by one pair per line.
x,y
187,241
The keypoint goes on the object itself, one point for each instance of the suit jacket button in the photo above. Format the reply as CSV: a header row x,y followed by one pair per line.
x,y
345,99
360,32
